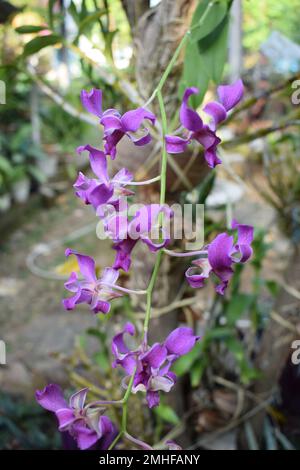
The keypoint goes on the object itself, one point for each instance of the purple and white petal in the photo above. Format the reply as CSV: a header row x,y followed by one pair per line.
x,y
124,176
65,418
77,400
152,398
196,279
51,398
119,347
176,144
216,111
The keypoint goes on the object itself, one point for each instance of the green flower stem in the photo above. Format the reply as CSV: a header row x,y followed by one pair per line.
x,y
162,199
124,413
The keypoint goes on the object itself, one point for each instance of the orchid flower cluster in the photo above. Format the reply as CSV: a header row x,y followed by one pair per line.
x,y
148,368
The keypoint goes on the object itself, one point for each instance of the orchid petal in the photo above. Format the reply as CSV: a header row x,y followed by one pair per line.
x,y
97,160
92,101
132,120
51,398
176,144
152,398
155,356
216,111
86,264
231,95
77,400
180,341
189,118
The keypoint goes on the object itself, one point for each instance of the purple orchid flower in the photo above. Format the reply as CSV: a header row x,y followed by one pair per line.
x,y
229,96
95,292
85,424
117,125
152,364
101,191
144,226
222,254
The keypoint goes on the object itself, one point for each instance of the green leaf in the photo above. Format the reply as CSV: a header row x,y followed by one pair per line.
x,y
90,18
238,305
194,74
272,286
38,43
167,414
197,371
213,50
5,166
236,348
214,17
219,332
28,29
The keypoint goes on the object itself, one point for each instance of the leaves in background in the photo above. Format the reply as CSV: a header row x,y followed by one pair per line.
x,y
29,29
38,43
216,14
167,414
206,51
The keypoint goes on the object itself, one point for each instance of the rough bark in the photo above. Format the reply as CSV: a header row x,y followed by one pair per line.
x,y
158,33
134,10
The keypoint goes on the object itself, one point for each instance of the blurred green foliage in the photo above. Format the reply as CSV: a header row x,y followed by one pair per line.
x,y
263,16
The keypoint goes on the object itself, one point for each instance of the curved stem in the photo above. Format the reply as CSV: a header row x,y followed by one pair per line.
x,y
139,443
187,253
126,291
149,293
162,199
104,403
141,183
124,412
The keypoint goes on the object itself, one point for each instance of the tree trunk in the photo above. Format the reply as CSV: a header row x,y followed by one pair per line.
x,y
156,35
